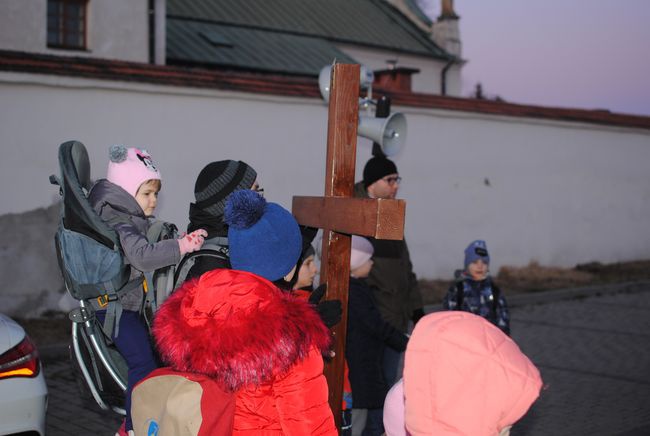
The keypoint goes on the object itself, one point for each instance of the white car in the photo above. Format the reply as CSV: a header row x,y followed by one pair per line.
x,y
23,392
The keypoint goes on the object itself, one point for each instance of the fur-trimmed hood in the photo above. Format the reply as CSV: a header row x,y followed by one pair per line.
x,y
237,328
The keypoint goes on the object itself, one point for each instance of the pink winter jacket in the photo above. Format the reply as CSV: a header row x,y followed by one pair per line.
x,y
463,376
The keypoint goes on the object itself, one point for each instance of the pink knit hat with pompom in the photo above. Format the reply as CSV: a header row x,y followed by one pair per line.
x,y
130,167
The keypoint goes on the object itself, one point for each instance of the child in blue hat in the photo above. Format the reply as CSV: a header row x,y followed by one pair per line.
x,y
254,339
474,290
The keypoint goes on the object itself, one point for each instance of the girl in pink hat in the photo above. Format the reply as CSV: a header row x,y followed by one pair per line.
x,y
462,376
126,200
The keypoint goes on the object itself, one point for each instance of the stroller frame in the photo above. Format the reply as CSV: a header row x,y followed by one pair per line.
x,y
84,334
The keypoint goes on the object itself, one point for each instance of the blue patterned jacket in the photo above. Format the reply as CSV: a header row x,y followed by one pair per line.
x,y
483,298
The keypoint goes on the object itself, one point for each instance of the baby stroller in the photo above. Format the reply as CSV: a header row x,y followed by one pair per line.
x,y
90,259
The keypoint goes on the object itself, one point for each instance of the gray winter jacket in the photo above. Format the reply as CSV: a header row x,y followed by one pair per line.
x,y
123,213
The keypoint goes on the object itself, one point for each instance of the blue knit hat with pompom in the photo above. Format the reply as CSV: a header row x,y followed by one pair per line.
x,y
264,238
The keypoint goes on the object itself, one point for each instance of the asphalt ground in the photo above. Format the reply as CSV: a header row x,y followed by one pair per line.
x,y
591,345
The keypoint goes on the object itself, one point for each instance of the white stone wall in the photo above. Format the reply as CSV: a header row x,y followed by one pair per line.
x,y
556,192
117,29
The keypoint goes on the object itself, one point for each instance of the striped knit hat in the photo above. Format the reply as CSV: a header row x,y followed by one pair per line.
x,y
218,180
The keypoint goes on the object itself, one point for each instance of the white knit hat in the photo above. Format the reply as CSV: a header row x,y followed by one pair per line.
x,y
361,252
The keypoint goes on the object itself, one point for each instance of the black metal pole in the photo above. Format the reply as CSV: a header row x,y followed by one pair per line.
x,y
381,111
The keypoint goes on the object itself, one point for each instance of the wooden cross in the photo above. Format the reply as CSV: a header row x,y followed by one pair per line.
x,y
340,215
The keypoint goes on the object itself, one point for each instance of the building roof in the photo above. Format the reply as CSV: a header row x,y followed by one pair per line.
x,y
287,36
200,43
291,86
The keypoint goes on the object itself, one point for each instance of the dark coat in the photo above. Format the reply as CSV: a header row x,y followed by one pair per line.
x,y
367,336
398,294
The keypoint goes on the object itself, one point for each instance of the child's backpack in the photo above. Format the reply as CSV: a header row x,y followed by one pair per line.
x,y
161,280
88,251
171,403
216,248
91,261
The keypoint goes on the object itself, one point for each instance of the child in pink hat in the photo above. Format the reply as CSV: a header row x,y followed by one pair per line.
x,y
462,375
126,200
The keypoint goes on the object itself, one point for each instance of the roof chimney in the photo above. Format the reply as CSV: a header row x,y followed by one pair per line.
x,y
446,32
394,78
448,10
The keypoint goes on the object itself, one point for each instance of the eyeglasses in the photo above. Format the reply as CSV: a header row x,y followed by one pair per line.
x,y
257,188
393,180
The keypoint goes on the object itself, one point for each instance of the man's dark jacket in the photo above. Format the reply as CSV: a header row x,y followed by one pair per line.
x,y
397,293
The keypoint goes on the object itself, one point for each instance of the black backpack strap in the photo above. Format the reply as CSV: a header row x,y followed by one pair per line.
x,y
112,319
460,294
186,264
183,268
111,324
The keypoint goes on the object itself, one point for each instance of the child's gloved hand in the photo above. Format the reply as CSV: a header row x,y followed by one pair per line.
x,y
330,311
192,242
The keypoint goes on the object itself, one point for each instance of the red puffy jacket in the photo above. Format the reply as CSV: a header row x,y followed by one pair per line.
x,y
255,340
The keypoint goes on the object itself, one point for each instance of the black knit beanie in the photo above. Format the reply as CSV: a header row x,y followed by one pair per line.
x,y
377,168
218,180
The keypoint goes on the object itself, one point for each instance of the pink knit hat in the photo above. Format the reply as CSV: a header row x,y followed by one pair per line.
x,y
361,251
130,167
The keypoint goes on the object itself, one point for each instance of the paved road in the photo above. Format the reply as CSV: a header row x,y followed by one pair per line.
x,y
593,353
594,356
69,412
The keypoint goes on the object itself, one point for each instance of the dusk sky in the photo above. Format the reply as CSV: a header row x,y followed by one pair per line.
x,y
590,54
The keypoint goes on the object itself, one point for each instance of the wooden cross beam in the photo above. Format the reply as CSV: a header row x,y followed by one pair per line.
x,y
340,215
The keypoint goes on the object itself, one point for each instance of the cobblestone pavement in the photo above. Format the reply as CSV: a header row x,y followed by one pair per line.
x,y
70,411
594,357
593,353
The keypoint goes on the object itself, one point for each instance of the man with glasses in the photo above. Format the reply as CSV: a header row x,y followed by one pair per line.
x,y
396,290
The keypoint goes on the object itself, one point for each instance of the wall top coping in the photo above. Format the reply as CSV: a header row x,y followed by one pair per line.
x,y
291,86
